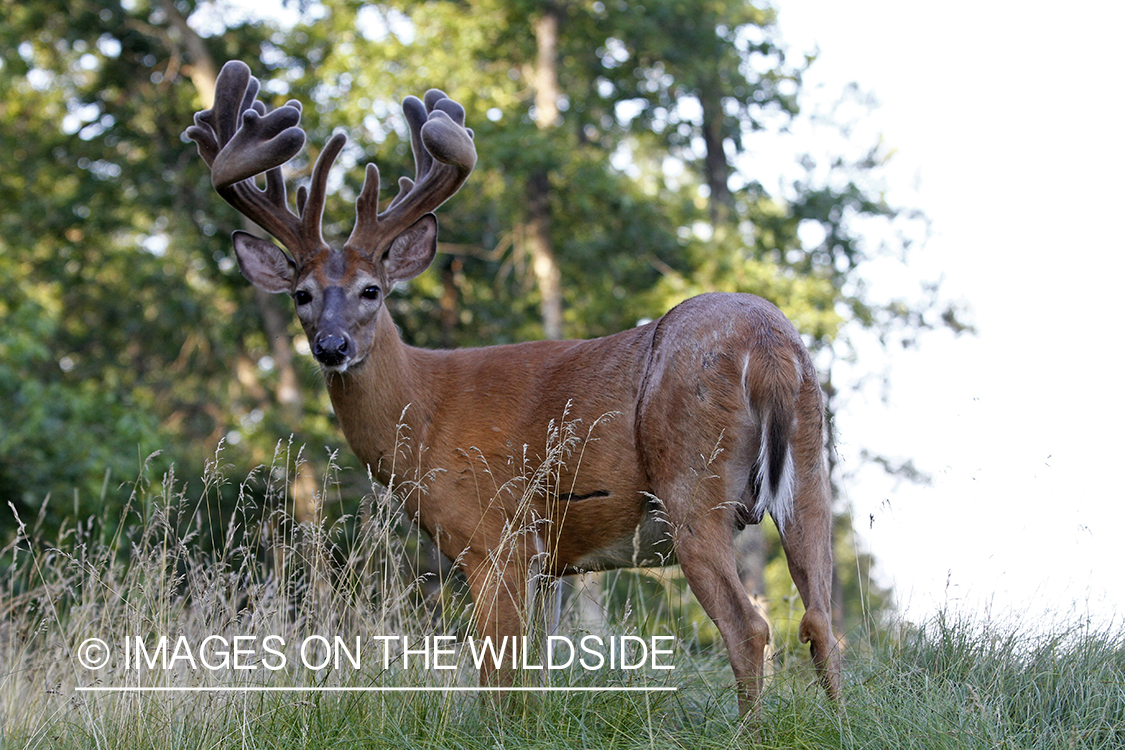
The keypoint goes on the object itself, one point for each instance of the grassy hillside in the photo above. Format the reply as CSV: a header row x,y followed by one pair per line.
x,y
217,595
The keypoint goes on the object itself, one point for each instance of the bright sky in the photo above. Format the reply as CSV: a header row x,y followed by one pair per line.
x,y
1006,117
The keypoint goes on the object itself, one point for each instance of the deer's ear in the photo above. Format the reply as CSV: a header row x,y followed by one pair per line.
x,y
263,263
412,251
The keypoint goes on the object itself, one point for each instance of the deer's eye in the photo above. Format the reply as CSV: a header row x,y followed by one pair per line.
x,y
301,297
371,292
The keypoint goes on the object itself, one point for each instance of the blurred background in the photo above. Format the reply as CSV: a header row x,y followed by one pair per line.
x,y
837,161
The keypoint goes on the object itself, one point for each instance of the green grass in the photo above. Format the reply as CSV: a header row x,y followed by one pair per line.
x,y
964,684
165,569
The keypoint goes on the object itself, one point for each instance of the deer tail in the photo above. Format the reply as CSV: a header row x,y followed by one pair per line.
x,y
772,384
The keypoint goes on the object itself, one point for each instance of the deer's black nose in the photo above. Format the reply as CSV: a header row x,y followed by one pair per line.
x,y
332,349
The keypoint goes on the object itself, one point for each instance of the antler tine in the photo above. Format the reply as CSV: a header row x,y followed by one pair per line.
x,y
366,211
238,139
311,205
444,156
417,113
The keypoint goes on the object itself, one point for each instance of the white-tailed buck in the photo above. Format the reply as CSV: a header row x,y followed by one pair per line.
x,y
695,425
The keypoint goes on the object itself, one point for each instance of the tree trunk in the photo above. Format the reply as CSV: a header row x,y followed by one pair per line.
x,y
201,68
276,324
544,265
715,166
449,304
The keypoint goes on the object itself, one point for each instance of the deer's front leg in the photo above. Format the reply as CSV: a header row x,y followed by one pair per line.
x,y
499,587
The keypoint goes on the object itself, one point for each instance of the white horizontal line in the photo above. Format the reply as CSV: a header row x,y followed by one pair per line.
x,y
279,689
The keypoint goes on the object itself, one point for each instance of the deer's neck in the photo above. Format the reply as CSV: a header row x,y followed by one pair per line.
x,y
384,404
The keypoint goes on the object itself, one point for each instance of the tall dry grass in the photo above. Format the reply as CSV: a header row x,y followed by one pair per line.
x,y
171,567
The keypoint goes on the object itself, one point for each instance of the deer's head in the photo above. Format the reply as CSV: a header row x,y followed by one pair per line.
x,y
338,291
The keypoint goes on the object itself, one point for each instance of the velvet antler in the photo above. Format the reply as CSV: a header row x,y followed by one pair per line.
x,y
239,140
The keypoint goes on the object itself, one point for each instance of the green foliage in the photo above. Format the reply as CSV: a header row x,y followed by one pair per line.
x,y
125,316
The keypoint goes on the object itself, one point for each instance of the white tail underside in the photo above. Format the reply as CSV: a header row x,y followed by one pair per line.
x,y
780,504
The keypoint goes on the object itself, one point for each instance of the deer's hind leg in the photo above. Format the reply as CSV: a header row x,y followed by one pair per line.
x,y
807,541
702,525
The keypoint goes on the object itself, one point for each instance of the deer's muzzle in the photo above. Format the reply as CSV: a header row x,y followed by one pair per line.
x,y
333,349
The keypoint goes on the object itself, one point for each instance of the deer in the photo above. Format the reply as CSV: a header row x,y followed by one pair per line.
x,y
699,423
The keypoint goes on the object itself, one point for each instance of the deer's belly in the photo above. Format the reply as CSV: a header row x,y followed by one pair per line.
x,y
647,544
